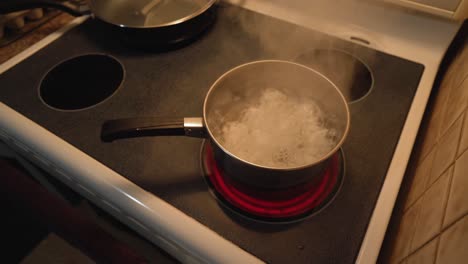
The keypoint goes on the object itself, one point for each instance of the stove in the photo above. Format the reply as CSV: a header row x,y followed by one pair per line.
x,y
168,188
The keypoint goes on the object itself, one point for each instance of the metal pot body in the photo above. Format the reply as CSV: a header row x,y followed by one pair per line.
x,y
266,178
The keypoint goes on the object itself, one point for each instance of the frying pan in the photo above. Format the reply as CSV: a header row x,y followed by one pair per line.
x,y
142,23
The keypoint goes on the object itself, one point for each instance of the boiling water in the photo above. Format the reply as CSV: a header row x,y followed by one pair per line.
x,y
279,131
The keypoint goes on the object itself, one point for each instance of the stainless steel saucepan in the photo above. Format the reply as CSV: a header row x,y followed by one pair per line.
x,y
227,100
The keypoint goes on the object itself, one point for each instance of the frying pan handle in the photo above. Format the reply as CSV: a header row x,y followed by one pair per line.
x,y
7,6
152,126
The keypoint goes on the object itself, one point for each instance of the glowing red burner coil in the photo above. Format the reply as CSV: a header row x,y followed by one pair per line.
x,y
274,204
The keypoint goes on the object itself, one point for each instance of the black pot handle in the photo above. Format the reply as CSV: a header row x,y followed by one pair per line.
x,y
152,126
8,6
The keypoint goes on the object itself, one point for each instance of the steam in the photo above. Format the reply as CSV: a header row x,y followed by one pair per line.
x,y
279,130
275,39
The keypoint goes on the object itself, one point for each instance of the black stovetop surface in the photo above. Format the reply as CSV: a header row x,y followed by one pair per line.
x,y
174,83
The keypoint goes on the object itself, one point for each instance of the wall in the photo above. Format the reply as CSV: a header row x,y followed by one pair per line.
x,y
430,219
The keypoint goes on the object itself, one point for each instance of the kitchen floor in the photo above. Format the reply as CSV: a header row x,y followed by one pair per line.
x,y
54,249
